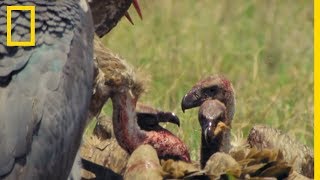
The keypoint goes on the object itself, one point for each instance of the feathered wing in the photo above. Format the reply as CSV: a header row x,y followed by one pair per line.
x,y
107,13
300,155
44,90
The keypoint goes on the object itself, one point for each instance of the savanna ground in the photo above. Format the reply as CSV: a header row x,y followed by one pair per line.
x,y
264,47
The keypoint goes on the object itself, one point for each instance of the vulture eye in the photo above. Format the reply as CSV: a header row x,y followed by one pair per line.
x,y
211,91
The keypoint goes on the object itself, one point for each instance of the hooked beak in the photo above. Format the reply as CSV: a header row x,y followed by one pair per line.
x,y
212,132
155,118
137,8
191,99
169,117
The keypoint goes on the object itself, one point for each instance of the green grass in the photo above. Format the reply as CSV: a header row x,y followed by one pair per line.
x,y
264,47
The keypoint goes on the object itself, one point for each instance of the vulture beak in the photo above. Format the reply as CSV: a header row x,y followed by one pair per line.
x,y
156,118
169,117
191,99
211,132
137,8
212,119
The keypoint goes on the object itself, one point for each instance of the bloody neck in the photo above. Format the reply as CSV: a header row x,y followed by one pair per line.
x,y
130,136
125,125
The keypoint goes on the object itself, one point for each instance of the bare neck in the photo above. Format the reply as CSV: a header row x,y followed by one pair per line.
x,y
221,143
125,125
230,103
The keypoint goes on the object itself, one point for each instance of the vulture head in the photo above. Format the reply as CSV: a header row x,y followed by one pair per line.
x,y
216,98
149,118
215,129
212,87
213,121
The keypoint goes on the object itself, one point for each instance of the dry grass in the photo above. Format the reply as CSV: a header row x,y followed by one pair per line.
x,y
264,47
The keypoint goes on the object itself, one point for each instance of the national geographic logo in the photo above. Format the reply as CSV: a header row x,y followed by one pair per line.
x,y
32,26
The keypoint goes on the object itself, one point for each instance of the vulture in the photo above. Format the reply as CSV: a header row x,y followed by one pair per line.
x,y
113,75
215,96
149,117
101,148
45,90
299,154
215,129
106,14
218,156
127,131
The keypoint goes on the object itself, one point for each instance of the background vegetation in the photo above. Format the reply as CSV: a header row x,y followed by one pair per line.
x,y
264,47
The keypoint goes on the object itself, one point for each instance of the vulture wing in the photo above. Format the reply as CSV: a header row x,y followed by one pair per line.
x,y
45,89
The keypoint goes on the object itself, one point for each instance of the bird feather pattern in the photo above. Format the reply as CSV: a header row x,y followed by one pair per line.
x,y
44,90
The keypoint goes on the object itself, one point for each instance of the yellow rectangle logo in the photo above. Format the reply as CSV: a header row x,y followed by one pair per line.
x,y
32,25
